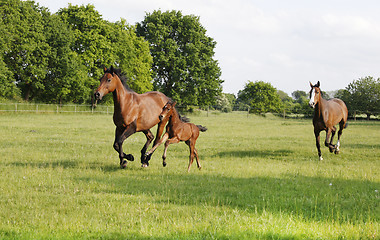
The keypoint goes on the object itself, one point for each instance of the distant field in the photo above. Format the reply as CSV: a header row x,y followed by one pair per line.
x,y
261,179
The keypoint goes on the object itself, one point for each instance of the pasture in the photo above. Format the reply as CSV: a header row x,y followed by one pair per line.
x,y
260,179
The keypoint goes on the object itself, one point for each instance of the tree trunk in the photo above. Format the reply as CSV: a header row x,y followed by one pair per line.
x,y
27,92
368,116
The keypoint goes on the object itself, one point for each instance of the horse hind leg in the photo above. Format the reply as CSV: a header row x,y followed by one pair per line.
x,y
332,147
193,153
197,158
327,144
341,127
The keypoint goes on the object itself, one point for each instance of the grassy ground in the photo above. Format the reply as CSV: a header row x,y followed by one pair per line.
x,y
261,179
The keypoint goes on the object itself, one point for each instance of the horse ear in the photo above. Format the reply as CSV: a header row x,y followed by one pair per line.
x,y
174,103
105,69
112,70
311,85
318,84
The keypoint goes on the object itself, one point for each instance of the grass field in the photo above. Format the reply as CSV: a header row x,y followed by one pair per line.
x,y
261,179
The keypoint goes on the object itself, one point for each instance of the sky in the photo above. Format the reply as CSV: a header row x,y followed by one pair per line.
x,y
286,43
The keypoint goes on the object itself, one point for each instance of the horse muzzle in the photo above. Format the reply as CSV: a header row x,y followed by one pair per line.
x,y
98,96
312,104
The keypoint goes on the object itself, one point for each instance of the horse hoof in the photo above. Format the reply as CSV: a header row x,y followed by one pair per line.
x,y
144,165
336,152
320,158
164,164
124,164
130,157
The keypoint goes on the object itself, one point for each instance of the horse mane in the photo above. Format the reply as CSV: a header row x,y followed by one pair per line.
x,y
181,118
121,76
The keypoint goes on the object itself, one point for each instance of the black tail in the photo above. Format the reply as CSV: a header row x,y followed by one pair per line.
x,y
201,128
345,125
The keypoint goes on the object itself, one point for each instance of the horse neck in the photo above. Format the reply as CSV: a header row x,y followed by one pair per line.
x,y
174,117
120,95
320,106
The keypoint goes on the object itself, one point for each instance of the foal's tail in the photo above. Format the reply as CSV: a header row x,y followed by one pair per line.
x,y
345,125
201,128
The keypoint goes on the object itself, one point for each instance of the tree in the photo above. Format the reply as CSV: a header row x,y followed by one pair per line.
x,y
364,95
183,63
261,97
133,56
27,51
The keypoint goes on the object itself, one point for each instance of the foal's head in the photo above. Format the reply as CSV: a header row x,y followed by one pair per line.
x,y
167,110
108,82
315,94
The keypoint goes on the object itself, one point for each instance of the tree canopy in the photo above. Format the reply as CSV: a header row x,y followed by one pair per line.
x,y
261,97
59,57
183,63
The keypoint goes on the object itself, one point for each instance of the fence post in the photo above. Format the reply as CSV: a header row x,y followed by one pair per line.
x,y
16,107
57,108
248,113
37,108
208,109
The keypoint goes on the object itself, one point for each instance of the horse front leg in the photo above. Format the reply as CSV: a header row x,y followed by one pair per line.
x,y
148,155
317,140
167,143
149,138
118,144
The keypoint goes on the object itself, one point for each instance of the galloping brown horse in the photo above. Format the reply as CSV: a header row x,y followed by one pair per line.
x,y
327,114
177,131
132,112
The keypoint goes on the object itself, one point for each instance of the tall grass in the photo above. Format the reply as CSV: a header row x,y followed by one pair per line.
x,y
261,179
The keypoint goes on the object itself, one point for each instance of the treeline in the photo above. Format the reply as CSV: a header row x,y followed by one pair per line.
x,y
58,58
362,96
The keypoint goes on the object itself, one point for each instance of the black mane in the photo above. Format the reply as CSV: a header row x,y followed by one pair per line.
x,y
121,76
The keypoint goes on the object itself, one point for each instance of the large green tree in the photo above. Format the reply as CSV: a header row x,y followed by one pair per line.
x,y
260,96
362,95
27,51
183,63
132,56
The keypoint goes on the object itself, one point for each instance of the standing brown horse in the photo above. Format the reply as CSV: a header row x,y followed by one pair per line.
x,y
177,131
327,114
132,112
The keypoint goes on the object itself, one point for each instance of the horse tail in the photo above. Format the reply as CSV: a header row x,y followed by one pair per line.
x,y
201,128
345,125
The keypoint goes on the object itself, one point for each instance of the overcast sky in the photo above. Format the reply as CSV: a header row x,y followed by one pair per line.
x,y
287,43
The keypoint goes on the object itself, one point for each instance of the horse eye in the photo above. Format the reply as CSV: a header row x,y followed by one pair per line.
x,y
109,80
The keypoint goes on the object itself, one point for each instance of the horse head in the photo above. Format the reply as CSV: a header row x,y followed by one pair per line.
x,y
167,110
108,83
315,94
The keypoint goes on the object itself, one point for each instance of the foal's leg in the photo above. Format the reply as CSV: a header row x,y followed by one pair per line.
x,y
197,158
192,153
149,139
317,138
148,155
168,142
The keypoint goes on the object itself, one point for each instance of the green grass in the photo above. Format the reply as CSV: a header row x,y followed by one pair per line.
x,y
261,179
